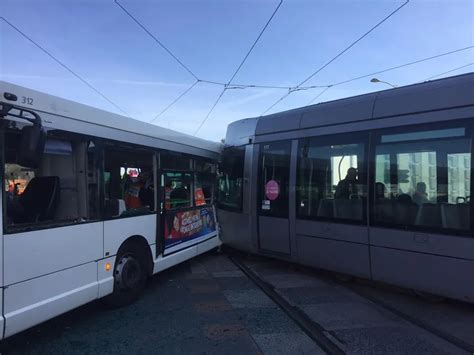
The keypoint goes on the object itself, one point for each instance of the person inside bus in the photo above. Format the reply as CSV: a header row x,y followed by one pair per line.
x,y
179,197
420,196
140,192
346,188
147,191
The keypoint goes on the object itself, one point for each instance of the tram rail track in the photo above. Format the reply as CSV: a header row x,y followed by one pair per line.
x,y
413,320
318,333
315,331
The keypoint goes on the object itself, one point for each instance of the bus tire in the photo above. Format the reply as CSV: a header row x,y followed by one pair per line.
x,y
130,276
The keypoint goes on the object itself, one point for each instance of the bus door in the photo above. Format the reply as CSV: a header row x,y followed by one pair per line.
x,y
273,197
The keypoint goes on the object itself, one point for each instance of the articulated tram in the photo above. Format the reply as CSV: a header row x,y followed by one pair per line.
x,y
377,186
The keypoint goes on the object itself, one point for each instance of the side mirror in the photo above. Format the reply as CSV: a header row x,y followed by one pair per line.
x,y
32,141
33,138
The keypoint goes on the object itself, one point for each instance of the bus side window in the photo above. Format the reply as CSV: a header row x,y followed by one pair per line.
x,y
204,188
55,191
128,181
178,187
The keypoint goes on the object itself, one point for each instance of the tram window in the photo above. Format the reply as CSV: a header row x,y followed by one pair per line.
x,y
55,192
178,188
424,183
274,178
231,172
129,182
331,183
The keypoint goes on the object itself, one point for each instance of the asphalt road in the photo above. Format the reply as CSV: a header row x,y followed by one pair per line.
x,y
209,306
203,306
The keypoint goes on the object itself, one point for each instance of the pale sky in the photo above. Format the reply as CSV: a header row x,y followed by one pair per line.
x,y
98,41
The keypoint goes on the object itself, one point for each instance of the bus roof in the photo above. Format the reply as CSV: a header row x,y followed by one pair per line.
x,y
52,105
451,92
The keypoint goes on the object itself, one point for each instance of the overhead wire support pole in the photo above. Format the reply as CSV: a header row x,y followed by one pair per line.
x,y
239,67
44,50
342,52
156,39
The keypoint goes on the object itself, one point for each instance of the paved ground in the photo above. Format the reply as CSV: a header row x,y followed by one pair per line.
x,y
208,306
203,306
361,325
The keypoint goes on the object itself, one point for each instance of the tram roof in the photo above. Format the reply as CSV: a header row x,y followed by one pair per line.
x,y
451,92
49,104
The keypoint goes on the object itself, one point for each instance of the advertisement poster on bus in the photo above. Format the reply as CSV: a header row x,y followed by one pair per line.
x,y
185,227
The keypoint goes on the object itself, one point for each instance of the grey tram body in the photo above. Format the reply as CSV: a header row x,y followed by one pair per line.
x,y
429,261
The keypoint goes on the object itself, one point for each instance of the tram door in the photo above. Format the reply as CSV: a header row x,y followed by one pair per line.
x,y
273,196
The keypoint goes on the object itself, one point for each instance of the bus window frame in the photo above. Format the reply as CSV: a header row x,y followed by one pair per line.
x,y
376,136
42,225
129,147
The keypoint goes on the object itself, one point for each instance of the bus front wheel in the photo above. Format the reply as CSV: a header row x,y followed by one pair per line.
x,y
130,276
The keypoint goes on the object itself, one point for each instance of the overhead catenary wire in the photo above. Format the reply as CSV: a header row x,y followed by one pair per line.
x,y
318,95
239,67
399,67
161,44
49,54
210,111
175,100
403,65
449,71
255,42
339,54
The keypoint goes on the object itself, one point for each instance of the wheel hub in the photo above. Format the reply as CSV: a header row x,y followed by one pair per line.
x,y
128,273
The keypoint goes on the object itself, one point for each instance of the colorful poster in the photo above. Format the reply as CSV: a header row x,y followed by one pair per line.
x,y
184,226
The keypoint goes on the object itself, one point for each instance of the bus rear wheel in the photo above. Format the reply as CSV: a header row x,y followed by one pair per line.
x,y
130,277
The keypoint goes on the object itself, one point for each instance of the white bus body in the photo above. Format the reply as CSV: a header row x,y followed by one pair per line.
x,y
62,258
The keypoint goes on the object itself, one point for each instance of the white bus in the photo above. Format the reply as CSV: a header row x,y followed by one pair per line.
x,y
93,203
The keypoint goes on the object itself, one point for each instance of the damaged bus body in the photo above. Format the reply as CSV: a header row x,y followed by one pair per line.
x,y
93,203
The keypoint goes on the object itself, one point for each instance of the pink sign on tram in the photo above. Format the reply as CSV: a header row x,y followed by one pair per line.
x,y
272,190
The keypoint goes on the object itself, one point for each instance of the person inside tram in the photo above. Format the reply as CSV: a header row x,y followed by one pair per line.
x,y
420,196
347,187
380,191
